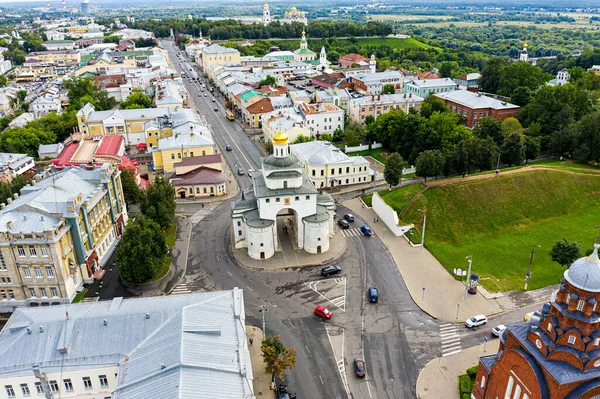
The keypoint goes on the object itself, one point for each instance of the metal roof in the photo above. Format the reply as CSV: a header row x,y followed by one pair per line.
x,y
474,100
324,153
183,346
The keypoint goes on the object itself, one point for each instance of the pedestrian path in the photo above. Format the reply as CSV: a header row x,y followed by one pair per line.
x,y
450,339
181,288
351,232
201,214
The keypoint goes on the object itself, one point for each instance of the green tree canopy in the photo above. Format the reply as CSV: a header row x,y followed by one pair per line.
x,y
489,81
159,202
388,89
565,252
268,81
489,127
513,150
521,74
25,140
137,99
131,190
393,169
429,163
277,357
142,251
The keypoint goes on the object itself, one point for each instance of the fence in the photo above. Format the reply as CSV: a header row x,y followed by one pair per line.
x,y
361,147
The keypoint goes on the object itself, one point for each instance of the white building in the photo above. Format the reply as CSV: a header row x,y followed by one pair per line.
x,y
562,78
295,16
283,201
321,118
373,82
5,65
42,106
337,97
524,56
304,53
173,347
286,120
171,94
328,166
16,163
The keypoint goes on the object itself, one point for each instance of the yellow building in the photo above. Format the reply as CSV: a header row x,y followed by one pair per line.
x,y
185,143
217,54
101,67
145,125
56,57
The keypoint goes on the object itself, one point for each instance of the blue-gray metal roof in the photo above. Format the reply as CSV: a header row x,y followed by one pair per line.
x,y
182,346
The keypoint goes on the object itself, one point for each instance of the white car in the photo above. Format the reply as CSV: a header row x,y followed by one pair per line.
x,y
498,330
476,321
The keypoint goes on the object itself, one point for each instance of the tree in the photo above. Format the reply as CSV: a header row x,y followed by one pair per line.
x,y
510,126
303,139
482,153
338,134
521,96
521,74
82,91
131,190
355,134
429,163
393,169
460,159
489,127
268,81
277,357
159,202
513,150
565,252
388,89
3,81
25,140
433,104
532,147
489,81
137,99
585,138
142,251
447,68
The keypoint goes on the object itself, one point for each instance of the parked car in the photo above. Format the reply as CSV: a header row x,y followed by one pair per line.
x,y
360,368
241,172
344,224
228,147
323,312
366,230
349,217
216,109
284,393
498,330
213,100
330,270
205,94
373,295
475,321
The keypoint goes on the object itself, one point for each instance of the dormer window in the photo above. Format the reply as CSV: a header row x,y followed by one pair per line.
x,y
549,327
597,342
568,299
580,304
572,340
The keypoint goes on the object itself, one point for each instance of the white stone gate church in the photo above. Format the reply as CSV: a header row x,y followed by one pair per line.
x,y
283,205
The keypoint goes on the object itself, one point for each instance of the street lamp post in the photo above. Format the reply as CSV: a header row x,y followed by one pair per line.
x,y
468,275
424,225
262,309
528,275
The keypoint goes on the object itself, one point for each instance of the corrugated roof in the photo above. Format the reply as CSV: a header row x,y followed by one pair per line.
x,y
324,153
183,346
475,100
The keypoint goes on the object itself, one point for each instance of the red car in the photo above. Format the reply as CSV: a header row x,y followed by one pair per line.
x,y
360,368
323,313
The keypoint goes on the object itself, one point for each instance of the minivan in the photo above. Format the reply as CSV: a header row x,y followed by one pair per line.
x,y
373,295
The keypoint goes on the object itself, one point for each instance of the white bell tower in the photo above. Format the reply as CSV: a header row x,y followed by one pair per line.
x,y
323,57
373,64
266,14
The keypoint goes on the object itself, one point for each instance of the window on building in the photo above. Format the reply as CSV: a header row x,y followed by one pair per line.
x,y
32,292
25,390
572,340
103,381
2,263
509,387
239,232
21,251
9,391
277,199
267,200
332,171
49,272
314,172
297,199
239,223
53,386
3,295
87,383
11,294
580,304
172,156
38,272
27,272
322,172
307,197
43,293
178,155
39,388
68,385
44,250
482,384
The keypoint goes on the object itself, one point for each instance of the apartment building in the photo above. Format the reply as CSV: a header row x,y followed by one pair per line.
x,y
56,57
474,106
328,166
171,94
321,118
42,106
187,140
58,234
217,54
373,83
360,108
173,347
337,97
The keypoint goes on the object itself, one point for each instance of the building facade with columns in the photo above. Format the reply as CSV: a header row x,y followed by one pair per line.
x,y
556,354
282,201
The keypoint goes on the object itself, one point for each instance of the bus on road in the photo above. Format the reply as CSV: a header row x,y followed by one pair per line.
x,y
229,115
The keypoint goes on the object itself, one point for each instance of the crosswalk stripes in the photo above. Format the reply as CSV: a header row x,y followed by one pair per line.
x,y
450,339
351,232
181,289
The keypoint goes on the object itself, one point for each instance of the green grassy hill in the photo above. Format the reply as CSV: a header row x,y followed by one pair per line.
x,y
393,42
498,221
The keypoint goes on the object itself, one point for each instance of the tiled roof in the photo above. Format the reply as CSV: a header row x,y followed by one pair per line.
x,y
353,58
261,106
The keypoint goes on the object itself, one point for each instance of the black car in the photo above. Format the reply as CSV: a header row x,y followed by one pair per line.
x,y
228,147
330,270
241,172
344,224
349,217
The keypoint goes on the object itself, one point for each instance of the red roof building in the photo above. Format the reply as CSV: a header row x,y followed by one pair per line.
x,y
556,355
200,182
347,60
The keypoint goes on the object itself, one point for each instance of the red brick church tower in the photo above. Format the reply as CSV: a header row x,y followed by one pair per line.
x,y
555,355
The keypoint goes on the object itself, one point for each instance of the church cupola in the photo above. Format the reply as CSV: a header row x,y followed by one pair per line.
x,y
303,42
281,148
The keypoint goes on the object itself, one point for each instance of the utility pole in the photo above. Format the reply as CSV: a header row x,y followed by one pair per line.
x,y
263,310
528,275
468,275
423,232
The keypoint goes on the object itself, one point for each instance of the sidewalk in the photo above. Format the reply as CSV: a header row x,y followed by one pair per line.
x,y
432,288
262,381
439,377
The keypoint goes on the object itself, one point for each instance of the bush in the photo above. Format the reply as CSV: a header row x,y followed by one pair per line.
x,y
472,372
465,396
464,384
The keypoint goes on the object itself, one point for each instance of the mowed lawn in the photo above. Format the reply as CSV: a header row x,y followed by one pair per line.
x,y
499,220
397,198
393,42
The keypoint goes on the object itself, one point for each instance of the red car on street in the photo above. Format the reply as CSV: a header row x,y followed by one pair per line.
x,y
360,368
323,313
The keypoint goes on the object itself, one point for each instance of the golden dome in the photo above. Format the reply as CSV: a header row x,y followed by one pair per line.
x,y
293,9
280,138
